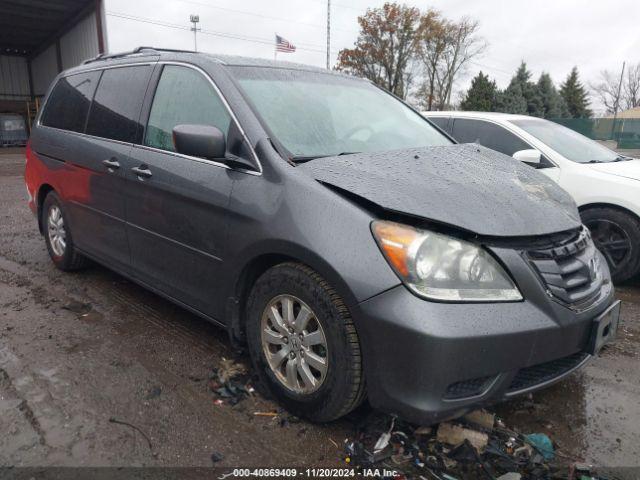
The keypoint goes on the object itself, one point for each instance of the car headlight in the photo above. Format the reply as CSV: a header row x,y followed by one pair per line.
x,y
439,267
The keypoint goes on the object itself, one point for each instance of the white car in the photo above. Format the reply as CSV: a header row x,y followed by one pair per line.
x,y
604,184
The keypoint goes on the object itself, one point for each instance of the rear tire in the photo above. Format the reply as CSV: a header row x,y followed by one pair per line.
x,y
58,236
296,292
617,235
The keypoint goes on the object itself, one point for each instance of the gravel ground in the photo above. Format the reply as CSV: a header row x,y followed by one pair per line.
x,y
77,350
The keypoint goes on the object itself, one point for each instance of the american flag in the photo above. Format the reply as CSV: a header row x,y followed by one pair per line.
x,y
284,45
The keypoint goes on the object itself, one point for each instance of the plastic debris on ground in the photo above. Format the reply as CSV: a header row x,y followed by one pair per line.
x,y
476,446
230,382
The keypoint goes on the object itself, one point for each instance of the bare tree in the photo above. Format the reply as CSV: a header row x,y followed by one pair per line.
x,y
607,89
445,49
433,43
465,44
631,87
385,48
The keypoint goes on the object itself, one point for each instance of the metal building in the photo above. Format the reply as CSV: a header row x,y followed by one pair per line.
x,y
39,39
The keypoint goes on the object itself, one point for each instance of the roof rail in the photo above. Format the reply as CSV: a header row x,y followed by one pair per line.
x,y
135,51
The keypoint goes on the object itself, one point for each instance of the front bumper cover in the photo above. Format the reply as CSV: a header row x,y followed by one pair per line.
x,y
428,361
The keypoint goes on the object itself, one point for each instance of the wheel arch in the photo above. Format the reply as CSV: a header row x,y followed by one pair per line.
x,y
630,268
612,206
43,191
259,264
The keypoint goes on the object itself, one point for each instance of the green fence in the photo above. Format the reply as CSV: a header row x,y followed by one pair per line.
x,y
625,132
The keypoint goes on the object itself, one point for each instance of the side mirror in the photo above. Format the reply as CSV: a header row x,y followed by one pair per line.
x,y
530,156
204,141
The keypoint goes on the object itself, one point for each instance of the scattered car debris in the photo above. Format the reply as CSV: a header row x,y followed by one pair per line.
x,y
138,429
79,308
230,382
455,434
542,443
481,418
476,446
154,392
216,457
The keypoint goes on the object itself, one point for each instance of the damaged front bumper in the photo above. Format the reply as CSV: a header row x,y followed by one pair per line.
x,y
428,361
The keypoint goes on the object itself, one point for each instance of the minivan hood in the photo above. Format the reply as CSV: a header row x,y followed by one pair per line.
x,y
627,168
466,186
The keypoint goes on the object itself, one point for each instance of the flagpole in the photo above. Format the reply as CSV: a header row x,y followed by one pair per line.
x,y
275,49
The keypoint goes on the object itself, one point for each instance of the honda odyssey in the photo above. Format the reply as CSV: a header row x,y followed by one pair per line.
x,y
348,242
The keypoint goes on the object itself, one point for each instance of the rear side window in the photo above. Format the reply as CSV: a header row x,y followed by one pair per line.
x,y
69,101
441,122
183,96
115,111
487,134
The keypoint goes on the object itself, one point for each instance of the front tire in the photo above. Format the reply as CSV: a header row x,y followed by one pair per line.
x,y
58,236
617,235
303,343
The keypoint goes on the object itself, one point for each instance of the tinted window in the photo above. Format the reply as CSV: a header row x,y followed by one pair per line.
x,y
69,102
183,96
487,134
440,122
115,111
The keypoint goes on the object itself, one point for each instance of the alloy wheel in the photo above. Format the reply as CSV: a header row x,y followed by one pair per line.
x,y
294,344
612,240
56,231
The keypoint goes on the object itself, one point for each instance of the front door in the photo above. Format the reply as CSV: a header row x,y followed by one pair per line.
x,y
176,204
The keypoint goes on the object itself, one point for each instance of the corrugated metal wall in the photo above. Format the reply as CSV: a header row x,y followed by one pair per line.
x,y
76,45
80,43
44,69
14,78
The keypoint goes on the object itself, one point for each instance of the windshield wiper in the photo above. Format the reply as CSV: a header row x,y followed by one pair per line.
x,y
303,159
619,158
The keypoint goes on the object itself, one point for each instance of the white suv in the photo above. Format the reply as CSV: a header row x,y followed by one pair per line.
x,y
604,184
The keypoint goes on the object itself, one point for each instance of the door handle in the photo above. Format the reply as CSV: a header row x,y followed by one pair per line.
x,y
142,171
111,163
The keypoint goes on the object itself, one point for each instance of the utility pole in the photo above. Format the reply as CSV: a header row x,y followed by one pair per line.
x,y
195,19
328,32
615,106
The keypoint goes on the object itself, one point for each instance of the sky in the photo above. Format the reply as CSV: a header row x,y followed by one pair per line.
x,y
549,35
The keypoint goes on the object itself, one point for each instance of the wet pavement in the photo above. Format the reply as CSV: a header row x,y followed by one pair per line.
x,y
95,370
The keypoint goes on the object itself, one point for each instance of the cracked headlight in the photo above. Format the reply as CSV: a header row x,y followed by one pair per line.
x,y
439,267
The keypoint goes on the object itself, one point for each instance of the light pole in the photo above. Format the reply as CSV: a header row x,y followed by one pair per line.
x,y
328,31
195,19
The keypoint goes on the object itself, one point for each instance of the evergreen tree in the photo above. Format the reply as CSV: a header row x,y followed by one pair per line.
x,y
529,91
575,96
511,100
553,105
481,96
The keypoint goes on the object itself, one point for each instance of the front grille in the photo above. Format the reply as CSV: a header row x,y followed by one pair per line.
x,y
543,372
570,270
467,388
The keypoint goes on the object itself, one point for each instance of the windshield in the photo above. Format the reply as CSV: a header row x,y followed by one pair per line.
x,y
569,144
315,114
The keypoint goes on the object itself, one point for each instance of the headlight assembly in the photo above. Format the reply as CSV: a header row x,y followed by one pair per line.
x,y
439,267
